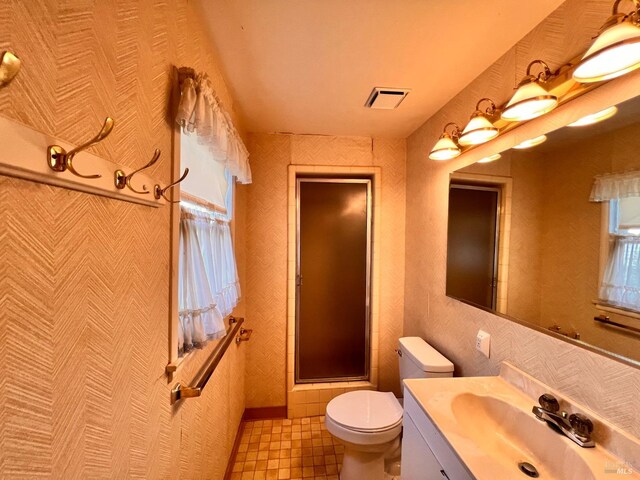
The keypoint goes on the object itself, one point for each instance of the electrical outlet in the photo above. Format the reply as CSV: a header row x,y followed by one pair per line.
x,y
483,342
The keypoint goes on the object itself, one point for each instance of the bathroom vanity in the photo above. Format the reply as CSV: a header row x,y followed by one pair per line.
x,y
421,440
484,428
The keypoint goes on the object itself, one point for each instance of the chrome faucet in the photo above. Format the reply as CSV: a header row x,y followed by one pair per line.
x,y
576,426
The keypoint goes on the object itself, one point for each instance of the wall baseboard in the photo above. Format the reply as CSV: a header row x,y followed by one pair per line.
x,y
234,451
264,413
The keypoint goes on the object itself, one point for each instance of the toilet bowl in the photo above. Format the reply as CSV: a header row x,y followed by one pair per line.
x,y
369,423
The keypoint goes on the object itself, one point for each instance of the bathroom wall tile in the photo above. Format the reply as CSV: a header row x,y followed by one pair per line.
x,y
269,202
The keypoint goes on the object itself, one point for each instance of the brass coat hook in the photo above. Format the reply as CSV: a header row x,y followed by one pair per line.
x,y
60,160
122,180
9,68
158,191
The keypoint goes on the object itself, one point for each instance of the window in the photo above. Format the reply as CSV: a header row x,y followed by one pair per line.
x,y
208,287
621,279
204,287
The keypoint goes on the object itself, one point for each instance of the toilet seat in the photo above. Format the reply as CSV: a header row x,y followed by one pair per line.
x,y
366,411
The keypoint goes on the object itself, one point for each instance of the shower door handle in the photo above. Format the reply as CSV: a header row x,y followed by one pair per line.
x,y
299,280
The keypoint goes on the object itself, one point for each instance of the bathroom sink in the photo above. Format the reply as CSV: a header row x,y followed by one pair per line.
x,y
488,423
511,436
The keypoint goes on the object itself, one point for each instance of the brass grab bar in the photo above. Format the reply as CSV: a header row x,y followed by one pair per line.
x,y
608,321
180,391
244,335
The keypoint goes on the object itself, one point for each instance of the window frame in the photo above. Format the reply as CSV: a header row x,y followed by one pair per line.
x,y
175,361
608,229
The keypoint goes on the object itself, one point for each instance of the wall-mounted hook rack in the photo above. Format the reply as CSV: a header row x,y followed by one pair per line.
x,y
60,160
159,192
9,67
122,180
21,157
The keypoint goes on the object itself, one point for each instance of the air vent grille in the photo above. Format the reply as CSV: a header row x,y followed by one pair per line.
x,y
386,98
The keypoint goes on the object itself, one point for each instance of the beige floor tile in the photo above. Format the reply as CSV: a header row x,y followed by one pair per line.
x,y
272,474
297,449
284,474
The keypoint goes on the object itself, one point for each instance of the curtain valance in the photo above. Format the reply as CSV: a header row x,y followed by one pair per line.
x,y
615,186
200,113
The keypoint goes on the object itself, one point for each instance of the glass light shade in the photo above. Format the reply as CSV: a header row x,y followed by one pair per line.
x,y
600,116
444,149
529,101
532,142
490,158
615,52
478,130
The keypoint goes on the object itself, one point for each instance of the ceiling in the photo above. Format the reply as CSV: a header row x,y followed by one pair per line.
x,y
308,66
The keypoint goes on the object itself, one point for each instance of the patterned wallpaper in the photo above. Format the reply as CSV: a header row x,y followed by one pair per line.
x,y
267,249
604,385
84,281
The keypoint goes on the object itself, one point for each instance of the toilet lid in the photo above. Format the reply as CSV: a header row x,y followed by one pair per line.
x,y
365,410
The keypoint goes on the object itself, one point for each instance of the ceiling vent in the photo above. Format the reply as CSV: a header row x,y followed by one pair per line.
x,y
386,98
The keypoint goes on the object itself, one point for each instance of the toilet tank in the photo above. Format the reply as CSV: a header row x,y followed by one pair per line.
x,y
418,359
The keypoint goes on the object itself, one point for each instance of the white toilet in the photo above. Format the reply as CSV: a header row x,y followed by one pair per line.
x,y
369,423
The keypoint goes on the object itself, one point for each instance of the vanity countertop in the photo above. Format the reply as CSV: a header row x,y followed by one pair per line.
x,y
489,424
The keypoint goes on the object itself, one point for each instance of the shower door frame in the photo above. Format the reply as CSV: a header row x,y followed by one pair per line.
x,y
368,275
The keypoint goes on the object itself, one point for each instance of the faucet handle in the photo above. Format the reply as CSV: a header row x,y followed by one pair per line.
x,y
581,424
549,402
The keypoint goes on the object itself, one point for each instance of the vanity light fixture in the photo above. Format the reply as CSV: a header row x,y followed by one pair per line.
x,y
531,99
615,51
532,142
600,116
480,129
490,158
446,147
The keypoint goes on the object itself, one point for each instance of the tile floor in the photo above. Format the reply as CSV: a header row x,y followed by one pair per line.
x,y
301,448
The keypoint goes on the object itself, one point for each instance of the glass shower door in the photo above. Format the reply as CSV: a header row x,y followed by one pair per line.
x,y
333,279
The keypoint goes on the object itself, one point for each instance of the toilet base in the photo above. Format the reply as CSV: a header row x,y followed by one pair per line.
x,y
358,465
367,461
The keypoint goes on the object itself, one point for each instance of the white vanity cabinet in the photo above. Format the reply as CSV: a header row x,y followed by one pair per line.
x,y
426,455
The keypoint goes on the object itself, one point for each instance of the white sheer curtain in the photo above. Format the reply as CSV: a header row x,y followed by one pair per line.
x,y
621,283
208,287
200,113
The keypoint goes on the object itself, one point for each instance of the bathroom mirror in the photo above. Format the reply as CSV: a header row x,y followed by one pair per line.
x,y
549,236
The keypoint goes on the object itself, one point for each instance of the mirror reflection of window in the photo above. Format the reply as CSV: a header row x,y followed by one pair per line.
x,y
621,280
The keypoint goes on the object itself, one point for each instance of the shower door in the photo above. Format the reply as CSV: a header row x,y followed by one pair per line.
x,y
333,279
472,243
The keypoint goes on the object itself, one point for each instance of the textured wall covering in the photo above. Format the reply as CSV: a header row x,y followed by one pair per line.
x,y
84,281
267,249
606,386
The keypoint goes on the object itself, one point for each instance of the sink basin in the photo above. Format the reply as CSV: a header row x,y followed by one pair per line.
x,y
510,436
488,423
